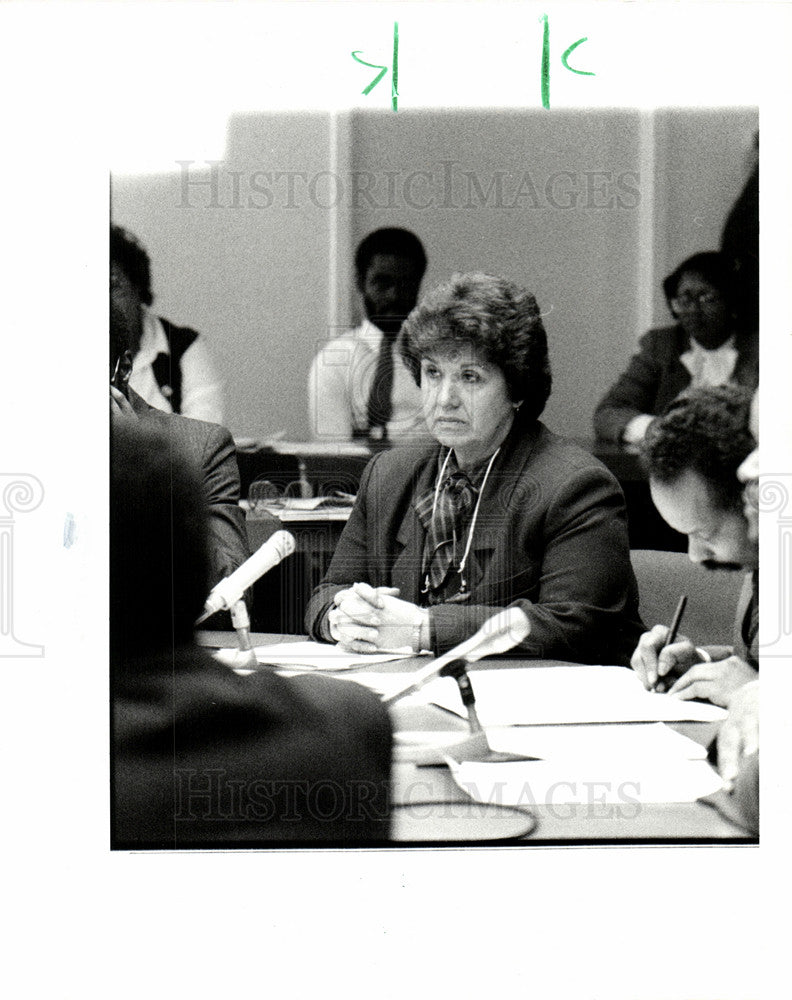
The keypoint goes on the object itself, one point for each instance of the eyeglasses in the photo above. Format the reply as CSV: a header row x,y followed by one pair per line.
x,y
686,302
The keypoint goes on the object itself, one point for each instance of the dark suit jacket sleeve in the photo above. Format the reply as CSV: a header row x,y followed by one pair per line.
x,y
299,759
349,564
586,608
229,544
633,393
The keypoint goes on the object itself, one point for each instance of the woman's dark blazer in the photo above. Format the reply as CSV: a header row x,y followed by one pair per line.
x,y
551,537
655,376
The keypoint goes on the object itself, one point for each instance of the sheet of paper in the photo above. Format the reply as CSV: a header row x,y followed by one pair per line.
x,y
586,783
558,695
322,656
644,741
313,503
321,449
386,684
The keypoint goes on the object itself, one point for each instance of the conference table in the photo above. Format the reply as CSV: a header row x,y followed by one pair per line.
x,y
427,796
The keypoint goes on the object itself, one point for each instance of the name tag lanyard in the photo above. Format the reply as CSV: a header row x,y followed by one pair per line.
x,y
463,591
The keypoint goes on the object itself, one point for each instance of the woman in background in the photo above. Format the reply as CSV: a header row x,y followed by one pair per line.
x,y
706,346
497,512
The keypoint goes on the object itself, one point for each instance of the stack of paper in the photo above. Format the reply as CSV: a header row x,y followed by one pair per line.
x,y
590,765
315,656
635,741
587,782
527,696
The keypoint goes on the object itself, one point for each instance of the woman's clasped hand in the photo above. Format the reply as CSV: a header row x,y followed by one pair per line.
x,y
368,619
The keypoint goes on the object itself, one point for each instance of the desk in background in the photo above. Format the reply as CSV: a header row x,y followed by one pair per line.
x,y
304,468
280,597
319,469
671,822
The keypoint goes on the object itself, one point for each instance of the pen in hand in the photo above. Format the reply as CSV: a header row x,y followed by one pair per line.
x,y
670,638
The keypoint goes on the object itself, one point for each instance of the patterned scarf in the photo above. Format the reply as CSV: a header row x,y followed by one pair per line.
x,y
446,531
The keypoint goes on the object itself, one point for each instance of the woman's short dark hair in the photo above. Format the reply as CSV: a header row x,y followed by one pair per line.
x,y
713,268
129,255
496,317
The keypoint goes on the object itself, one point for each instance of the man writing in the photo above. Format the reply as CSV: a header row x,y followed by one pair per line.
x,y
693,453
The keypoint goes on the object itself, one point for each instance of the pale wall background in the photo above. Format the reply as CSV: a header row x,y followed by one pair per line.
x,y
265,272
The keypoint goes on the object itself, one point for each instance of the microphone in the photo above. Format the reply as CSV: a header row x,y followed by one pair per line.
x,y
498,634
226,593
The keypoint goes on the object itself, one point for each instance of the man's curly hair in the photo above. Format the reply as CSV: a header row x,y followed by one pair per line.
x,y
498,319
704,430
131,257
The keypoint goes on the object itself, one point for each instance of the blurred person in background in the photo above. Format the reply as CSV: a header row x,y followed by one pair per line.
x,y
358,385
172,368
708,345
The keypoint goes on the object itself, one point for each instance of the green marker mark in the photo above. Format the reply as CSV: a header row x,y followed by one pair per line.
x,y
384,69
568,52
395,74
545,75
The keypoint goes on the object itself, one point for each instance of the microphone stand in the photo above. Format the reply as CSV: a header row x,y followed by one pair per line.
x,y
473,747
241,622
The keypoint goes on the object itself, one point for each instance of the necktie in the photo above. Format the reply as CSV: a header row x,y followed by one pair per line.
x,y
380,401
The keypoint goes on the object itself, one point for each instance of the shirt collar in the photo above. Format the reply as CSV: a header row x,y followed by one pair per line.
x,y
475,476
152,338
710,367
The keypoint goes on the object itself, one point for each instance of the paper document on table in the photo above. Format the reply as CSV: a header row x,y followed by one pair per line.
x,y
558,695
314,503
322,656
386,684
557,782
601,743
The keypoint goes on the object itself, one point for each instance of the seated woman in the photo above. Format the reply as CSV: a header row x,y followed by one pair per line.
x,y
704,347
498,512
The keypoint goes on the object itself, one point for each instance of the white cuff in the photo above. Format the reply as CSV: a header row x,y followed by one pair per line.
x,y
705,657
635,430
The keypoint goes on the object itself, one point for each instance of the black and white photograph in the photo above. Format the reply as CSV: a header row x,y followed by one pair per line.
x,y
408,585
438,341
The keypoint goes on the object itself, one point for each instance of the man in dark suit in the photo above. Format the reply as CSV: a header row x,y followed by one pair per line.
x,y
703,470
202,757
693,453
208,446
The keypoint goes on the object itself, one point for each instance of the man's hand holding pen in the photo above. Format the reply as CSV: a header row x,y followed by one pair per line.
x,y
688,671
659,664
